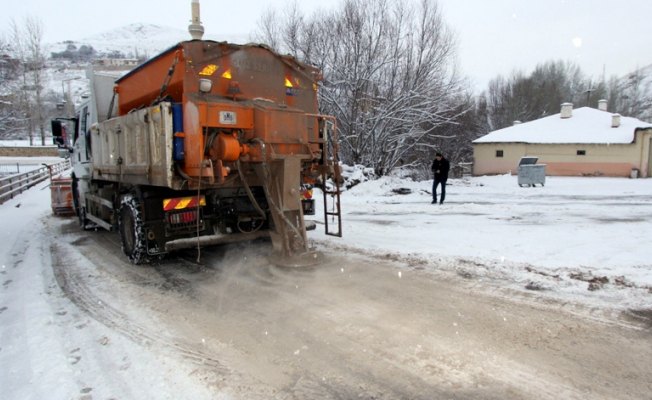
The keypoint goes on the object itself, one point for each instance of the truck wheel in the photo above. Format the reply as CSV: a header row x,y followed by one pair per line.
x,y
132,231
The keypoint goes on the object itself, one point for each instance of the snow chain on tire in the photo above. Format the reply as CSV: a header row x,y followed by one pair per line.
x,y
132,230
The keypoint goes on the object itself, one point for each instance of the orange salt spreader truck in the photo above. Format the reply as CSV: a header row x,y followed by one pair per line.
x,y
211,143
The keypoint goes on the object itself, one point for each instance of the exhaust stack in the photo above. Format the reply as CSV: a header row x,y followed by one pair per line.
x,y
195,28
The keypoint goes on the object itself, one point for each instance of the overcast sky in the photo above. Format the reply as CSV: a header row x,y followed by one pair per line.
x,y
494,36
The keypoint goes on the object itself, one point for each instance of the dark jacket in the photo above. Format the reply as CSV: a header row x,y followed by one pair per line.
x,y
442,166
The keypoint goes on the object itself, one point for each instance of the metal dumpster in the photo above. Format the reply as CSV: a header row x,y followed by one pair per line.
x,y
61,191
530,173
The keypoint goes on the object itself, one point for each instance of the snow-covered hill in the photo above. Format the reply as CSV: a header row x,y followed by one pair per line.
x,y
137,40
130,40
65,76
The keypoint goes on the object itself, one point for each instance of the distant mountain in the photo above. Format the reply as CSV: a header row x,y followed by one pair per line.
x,y
66,73
136,40
132,41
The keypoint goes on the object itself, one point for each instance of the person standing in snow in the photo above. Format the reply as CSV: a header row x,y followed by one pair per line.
x,y
440,167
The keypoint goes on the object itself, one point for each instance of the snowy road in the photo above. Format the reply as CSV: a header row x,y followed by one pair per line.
x,y
80,322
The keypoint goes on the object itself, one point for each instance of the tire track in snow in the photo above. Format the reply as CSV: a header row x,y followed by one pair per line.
x,y
73,285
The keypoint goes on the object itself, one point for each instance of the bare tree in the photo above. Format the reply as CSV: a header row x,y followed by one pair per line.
x,y
527,97
268,29
291,34
27,46
631,95
389,74
10,119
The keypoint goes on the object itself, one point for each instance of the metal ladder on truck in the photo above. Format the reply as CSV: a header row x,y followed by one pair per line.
x,y
330,160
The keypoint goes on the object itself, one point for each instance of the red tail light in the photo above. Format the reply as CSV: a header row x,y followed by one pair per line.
x,y
184,217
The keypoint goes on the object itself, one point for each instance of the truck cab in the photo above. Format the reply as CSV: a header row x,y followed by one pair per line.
x,y
78,145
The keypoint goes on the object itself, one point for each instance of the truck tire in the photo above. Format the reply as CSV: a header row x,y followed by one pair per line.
x,y
132,231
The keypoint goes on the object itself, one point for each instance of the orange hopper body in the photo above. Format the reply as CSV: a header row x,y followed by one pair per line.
x,y
255,96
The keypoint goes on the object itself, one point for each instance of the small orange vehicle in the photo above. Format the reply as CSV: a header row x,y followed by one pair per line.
x,y
61,196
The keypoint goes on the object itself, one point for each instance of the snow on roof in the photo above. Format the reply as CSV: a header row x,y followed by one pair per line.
x,y
587,125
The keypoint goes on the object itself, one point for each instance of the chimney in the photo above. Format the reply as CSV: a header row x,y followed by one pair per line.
x,y
517,122
615,120
195,28
567,110
602,105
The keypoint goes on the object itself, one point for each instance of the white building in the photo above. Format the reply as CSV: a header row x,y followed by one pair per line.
x,y
581,142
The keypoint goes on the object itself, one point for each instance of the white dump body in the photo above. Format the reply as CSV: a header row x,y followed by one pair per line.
x,y
103,102
136,148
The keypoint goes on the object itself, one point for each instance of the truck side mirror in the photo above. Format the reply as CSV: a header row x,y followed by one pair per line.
x,y
57,133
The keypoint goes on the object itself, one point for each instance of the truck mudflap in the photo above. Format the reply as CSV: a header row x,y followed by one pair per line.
x,y
208,240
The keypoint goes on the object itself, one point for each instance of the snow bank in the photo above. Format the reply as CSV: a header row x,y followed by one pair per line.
x,y
564,234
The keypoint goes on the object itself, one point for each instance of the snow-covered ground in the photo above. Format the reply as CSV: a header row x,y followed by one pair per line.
x,y
41,357
560,239
551,239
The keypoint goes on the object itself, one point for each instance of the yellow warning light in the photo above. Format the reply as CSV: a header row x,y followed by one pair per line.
x,y
227,74
314,87
288,84
208,70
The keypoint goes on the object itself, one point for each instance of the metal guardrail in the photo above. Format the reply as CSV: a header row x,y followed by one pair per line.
x,y
17,168
15,184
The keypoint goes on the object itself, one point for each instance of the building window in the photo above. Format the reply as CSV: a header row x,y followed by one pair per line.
x,y
581,152
499,153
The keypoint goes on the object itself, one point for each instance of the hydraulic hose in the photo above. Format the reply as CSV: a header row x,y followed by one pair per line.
x,y
249,193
